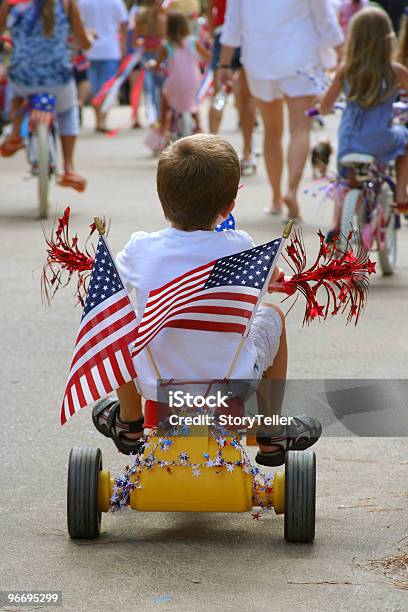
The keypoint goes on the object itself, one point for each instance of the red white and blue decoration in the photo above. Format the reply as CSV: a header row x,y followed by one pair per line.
x,y
220,296
102,361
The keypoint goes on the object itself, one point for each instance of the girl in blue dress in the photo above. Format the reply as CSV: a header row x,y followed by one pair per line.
x,y
370,81
41,61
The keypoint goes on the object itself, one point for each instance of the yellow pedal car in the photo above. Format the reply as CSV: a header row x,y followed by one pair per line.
x,y
164,484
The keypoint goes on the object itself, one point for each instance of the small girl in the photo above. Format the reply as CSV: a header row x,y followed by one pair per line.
x,y
370,81
149,32
181,51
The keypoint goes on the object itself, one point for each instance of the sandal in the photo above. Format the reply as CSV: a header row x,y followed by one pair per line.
x,y
11,145
303,432
248,167
105,417
75,181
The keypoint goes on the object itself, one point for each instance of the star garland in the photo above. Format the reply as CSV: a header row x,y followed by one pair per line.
x,y
126,483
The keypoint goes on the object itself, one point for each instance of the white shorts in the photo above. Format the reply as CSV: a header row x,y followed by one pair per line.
x,y
297,86
266,330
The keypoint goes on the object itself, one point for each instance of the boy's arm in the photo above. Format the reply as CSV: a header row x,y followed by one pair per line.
x,y
331,95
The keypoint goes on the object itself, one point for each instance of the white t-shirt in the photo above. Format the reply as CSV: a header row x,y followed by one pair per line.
x,y
279,38
149,261
105,17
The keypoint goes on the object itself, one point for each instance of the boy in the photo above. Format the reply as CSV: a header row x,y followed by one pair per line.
x,y
197,182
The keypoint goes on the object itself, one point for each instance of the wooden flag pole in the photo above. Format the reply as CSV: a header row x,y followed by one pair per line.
x,y
154,362
100,226
285,235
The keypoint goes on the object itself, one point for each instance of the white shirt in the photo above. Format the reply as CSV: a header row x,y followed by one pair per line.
x,y
149,261
105,17
280,37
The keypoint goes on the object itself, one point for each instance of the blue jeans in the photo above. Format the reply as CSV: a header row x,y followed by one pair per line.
x,y
101,71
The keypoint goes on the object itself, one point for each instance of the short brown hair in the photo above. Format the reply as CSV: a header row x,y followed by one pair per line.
x,y
197,178
178,27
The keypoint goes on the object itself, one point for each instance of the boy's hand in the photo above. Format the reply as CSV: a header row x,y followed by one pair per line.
x,y
276,279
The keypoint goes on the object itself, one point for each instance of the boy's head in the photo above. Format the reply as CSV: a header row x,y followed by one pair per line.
x,y
197,181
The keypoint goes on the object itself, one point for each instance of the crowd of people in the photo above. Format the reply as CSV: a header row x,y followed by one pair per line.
x,y
72,48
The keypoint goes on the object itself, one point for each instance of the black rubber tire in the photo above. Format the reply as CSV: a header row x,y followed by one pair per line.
x,y
300,496
84,519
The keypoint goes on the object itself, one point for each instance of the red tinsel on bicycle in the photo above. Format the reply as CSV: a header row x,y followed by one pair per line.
x,y
343,275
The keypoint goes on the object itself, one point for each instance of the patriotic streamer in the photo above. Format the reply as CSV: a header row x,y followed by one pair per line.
x,y
106,96
205,86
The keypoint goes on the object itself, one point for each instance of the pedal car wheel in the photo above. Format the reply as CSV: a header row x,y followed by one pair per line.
x,y
387,240
43,154
300,496
84,518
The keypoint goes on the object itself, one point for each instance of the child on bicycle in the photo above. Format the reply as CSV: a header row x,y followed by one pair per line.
x,y
181,52
369,79
197,180
41,63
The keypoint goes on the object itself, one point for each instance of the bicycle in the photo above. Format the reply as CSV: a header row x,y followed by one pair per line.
x,y
367,209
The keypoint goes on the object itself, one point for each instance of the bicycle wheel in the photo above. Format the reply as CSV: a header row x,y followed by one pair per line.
x,y
43,161
351,217
387,232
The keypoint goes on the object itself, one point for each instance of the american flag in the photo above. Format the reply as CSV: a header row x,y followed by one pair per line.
x,y
102,358
220,296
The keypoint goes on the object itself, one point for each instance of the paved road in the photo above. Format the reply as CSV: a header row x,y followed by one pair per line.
x,y
184,562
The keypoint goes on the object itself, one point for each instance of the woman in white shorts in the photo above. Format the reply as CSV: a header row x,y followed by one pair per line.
x,y
281,44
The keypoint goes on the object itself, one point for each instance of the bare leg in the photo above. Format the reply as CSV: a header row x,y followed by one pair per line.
x,y
215,117
402,178
84,93
130,405
164,116
132,80
247,113
100,118
271,390
272,116
68,146
299,127
16,116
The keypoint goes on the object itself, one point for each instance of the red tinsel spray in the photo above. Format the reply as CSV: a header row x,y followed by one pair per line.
x,y
64,259
342,276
